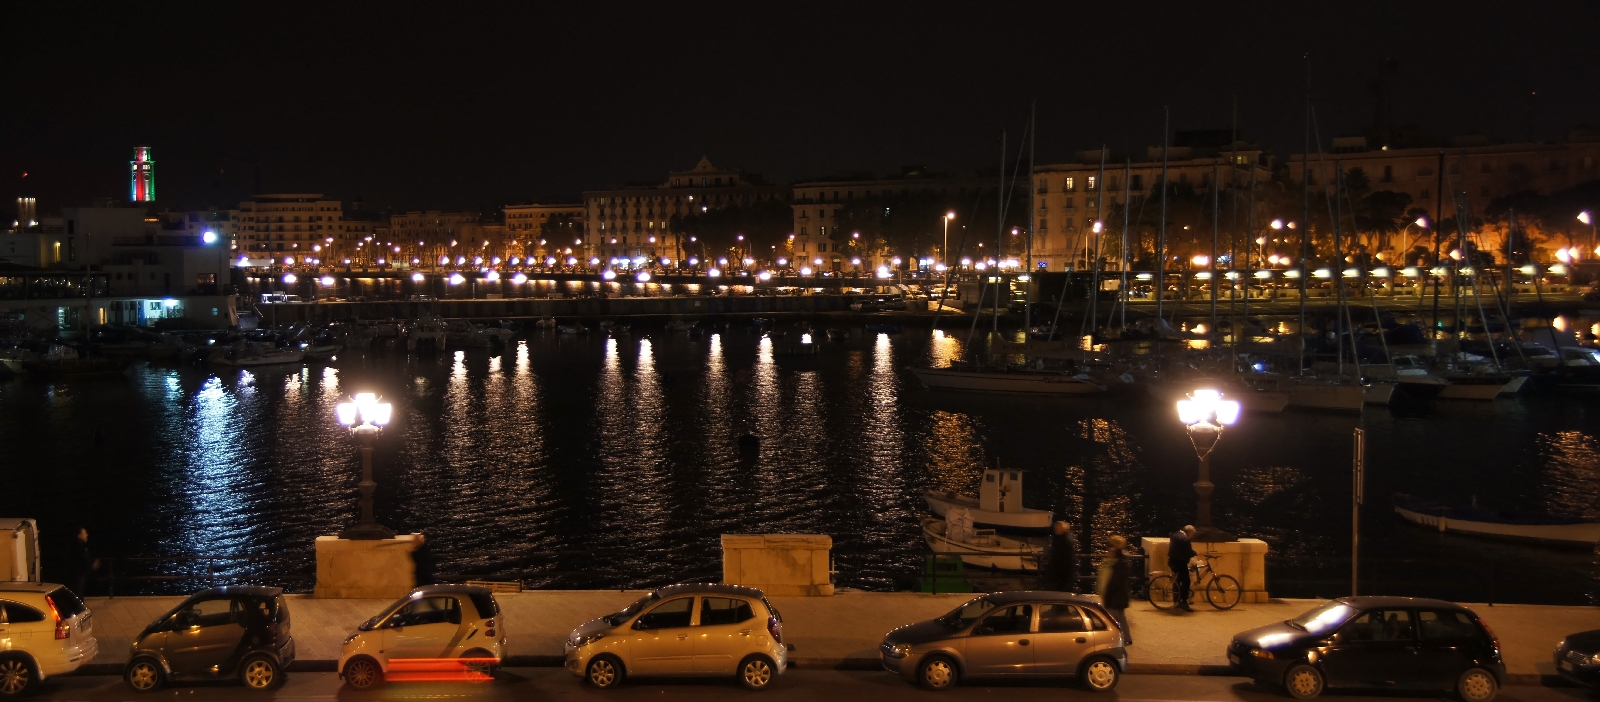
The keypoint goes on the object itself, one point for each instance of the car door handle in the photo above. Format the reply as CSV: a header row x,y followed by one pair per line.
x,y
744,632
1081,639
682,636
1024,642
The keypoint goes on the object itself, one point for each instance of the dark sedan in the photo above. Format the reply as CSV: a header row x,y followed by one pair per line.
x,y
1011,634
1578,657
1398,643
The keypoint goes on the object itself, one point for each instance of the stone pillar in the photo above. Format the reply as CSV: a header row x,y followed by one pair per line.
x,y
1244,559
778,564
369,569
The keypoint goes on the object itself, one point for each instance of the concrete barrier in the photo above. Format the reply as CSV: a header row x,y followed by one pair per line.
x,y
1245,560
366,569
779,564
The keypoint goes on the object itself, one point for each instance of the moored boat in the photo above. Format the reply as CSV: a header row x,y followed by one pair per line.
x,y
1502,524
997,506
980,548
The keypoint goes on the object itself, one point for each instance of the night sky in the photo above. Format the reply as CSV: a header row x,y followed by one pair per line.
x,y
455,106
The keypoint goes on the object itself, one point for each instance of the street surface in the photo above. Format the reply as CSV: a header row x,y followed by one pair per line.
x,y
536,684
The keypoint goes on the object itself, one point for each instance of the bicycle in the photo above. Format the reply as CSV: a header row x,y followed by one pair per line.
x,y
1222,591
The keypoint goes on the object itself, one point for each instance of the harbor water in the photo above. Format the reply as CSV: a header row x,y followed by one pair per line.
x,y
589,461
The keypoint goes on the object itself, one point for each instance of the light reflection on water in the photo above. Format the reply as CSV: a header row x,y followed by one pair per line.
x,y
623,456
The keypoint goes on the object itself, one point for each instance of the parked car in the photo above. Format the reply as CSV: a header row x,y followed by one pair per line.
x,y
432,630
683,630
1011,634
216,634
45,631
1395,643
1578,657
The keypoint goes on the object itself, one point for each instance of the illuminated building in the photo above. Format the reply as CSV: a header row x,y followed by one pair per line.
x,y
143,187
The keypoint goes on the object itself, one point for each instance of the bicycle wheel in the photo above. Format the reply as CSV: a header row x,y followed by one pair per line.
x,y
1223,592
1160,592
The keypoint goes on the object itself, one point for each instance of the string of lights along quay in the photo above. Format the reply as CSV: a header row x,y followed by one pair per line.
x,y
621,458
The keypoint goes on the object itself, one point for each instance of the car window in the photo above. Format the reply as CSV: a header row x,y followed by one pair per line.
x,y
724,610
1095,621
1016,619
204,613
1379,625
14,613
1446,625
485,603
668,615
428,610
66,603
967,613
1059,617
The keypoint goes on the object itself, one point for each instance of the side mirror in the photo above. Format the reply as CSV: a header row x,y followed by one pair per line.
x,y
983,630
640,625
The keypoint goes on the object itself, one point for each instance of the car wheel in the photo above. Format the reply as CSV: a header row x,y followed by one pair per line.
x,y
261,673
1477,685
604,672
16,676
143,675
937,673
1303,682
363,674
1099,674
480,662
756,672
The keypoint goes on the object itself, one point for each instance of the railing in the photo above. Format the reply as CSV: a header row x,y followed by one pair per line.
x,y
286,570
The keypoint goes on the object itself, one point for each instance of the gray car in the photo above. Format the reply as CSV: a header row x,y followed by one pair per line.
x,y
1011,634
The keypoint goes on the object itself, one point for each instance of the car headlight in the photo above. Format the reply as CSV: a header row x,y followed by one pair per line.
x,y
586,640
900,650
1261,653
350,638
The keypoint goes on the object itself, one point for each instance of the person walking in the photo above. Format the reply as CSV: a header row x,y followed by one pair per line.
x,y
82,563
1113,585
1179,551
1060,569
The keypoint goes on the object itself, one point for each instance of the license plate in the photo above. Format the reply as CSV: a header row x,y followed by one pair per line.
x,y
1233,658
1565,665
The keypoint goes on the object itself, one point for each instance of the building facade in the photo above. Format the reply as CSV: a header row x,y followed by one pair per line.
x,y
292,224
818,205
633,222
541,232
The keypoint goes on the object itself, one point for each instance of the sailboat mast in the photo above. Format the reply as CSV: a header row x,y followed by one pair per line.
x,y
1127,190
999,232
1305,226
1249,238
1216,204
1338,277
1099,228
1033,194
1161,233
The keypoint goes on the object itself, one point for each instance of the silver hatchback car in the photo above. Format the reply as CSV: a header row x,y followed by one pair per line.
x,y
1011,634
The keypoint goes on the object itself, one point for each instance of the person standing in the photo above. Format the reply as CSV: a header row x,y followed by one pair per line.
x,y
1113,585
1179,550
1060,569
82,563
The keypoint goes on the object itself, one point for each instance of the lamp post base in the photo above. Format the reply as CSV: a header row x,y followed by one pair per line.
x,y
1211,535
367,532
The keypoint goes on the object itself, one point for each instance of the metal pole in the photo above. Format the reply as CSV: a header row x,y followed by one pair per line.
x,y
1216,204
1161,233
1033,190
1000,233
1358,475
1127,198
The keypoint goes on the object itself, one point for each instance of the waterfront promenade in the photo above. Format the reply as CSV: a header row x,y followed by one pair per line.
x,y
843,631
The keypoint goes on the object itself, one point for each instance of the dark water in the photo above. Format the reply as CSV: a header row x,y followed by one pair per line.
x,y
619,462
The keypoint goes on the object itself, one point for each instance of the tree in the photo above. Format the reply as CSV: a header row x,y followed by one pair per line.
x,y
764,224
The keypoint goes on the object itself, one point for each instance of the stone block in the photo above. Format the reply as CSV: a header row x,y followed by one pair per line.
x,y
779,564
1245,560
380,569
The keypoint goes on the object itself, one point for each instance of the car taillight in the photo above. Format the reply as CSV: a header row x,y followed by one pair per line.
x,y
1490,632
490,625
773,628
63,629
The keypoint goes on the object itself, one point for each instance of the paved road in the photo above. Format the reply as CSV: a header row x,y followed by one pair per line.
x,y
538,684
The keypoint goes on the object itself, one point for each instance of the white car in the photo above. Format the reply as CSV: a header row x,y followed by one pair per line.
x,y
435,630
684,630
44,632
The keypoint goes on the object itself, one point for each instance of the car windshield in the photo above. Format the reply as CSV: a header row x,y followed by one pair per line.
x,y
627,612
369,624
1323,618
966,614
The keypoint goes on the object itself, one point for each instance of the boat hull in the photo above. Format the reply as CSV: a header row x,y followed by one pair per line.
x,y
1582,534
1021,383
1028,520
1328,396
1021,557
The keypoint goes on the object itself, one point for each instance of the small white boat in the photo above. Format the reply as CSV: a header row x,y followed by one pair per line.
x,y
256,354
545,323
1010,380
979,548
1496,524
574,328
997,506
322,352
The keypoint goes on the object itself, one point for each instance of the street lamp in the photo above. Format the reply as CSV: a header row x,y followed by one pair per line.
x,y
366,417
1594,239
944,253
1205,414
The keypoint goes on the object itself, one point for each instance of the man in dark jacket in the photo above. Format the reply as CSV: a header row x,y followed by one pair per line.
x,y
1114,585
1179,551
1060,569
82,563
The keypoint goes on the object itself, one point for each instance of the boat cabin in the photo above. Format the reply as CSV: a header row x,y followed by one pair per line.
x,y
1001,490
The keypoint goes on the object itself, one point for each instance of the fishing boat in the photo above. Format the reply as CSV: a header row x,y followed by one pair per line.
x,y
1503,524
980,548
244,354
1008,379
60,360
321,352
428,331
997,506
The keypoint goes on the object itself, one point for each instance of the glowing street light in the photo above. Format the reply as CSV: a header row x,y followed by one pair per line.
x,y
1205,414
418,277
366,417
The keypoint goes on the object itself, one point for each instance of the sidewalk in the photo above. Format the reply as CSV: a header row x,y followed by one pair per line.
x,y
842,631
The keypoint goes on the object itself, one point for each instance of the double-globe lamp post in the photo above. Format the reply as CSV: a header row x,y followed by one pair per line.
x,y
366,417
1205,414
